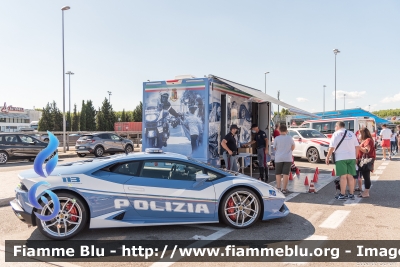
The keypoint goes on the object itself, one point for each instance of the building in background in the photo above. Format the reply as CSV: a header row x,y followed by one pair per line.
x,y
13,119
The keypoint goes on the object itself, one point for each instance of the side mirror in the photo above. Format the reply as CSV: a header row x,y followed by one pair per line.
x,y
296,137
32,143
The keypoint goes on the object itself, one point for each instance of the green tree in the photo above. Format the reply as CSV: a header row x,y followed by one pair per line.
x,y
57,117
107,116
123,116
128,116
99,121
46,121
82,119
68,122
137,113
90,116
75,120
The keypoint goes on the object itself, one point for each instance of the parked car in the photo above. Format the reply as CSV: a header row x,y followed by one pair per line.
x,y
41,137
19,146
310,144
151,188
100,143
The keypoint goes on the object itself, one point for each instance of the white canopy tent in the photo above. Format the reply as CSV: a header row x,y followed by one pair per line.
x,y
260,97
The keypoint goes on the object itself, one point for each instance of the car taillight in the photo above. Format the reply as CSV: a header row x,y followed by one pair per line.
x,y
92,141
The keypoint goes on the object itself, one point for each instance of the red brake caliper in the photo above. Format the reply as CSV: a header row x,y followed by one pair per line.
x,y
73,212
231,210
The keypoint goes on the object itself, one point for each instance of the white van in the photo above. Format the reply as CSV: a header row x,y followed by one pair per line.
x,y
354,124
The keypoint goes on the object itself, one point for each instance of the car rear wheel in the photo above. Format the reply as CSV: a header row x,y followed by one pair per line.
x,y
71,219
99,151
3,157
240,208
81,155
313,155
128,149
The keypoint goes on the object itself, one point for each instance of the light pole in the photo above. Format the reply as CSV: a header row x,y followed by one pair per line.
x,y
69,94
324,99
344,101
265,74
279,115
335,51
109,94
64,124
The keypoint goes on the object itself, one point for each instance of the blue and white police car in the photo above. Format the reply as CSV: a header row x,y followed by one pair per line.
x,y
142,189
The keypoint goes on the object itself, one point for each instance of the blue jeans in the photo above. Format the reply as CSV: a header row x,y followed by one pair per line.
x,y
232,160
393,146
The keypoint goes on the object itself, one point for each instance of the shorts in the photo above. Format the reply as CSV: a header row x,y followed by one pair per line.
x,y
346,166
282,168
386,143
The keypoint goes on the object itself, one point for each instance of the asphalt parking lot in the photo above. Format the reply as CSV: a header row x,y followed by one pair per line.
x,y
313,216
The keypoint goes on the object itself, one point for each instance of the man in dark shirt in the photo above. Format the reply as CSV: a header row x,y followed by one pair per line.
x,y
230,153
261,139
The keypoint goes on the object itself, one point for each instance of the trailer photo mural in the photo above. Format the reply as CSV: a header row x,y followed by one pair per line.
x,y
174,117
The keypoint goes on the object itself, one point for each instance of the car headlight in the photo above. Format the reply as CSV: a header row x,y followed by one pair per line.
x,y
22,187
151,117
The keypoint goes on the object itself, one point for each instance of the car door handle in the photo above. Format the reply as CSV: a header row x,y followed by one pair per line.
x,y
134,188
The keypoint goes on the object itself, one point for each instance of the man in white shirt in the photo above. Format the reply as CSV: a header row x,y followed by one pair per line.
x,y
386,134
345,158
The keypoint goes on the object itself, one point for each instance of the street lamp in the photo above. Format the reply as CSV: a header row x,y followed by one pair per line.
x,y
279,115
344,101
324,98
63,58
109,94
335,51
266,81
69,94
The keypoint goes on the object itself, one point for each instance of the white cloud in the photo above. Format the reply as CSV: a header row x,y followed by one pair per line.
x,y
349,95
302,99
351,102
391,99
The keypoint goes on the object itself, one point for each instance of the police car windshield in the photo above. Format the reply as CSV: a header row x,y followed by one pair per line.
x,y
311,134
207,166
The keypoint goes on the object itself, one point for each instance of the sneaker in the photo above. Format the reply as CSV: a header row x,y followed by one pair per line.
x,y
390,157
341,197
384,159
350,196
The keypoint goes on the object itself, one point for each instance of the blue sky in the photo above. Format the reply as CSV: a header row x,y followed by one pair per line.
x,y
117,45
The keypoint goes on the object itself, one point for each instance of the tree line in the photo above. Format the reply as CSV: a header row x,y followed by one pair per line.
x,y
387,112
88,118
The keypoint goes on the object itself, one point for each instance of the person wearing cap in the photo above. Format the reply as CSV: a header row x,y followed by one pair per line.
x,y
166,106
261,139
229,143
195,126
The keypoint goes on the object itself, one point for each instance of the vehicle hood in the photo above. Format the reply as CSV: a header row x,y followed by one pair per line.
x,y
321,141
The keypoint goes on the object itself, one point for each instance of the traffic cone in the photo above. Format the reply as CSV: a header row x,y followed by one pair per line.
x,y
315,177
297,171
316,170
333,172
306,181
290,176
312,188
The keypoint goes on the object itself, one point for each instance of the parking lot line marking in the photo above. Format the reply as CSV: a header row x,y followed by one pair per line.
x,y
385,163
292,195
335,219
374,178
381,167
378,172
197,244
314,218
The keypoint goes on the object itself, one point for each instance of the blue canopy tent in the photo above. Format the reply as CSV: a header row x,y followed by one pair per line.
x,y
357,112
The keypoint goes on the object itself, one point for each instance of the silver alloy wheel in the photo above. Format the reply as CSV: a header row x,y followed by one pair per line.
x,y
3,157
99,151
62,225
245,209
312,155
128,149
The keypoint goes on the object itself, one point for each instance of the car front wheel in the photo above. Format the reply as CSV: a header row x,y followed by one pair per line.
x,y
313,155
3,157
240,208
99,151
71,218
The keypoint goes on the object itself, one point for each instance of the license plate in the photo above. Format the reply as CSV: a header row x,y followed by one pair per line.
x,y
82,147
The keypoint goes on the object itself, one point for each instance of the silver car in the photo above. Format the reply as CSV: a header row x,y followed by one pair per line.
x,y
100,143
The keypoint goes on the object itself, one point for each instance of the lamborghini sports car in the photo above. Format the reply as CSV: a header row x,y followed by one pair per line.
x,y
142,189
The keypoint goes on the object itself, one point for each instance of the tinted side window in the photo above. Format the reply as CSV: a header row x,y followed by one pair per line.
x,y
115,137
10,139
128,168
293,133
104,136
26,139
170,170
324,127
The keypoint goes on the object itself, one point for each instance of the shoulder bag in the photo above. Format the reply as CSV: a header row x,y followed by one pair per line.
x,y
333,154
366,163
